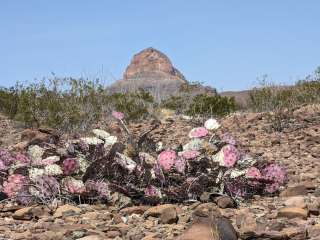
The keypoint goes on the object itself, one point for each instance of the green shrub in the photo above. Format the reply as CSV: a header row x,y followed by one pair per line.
x,y
176,103
280,101
8,101
135,105
207,105
270,97
69,104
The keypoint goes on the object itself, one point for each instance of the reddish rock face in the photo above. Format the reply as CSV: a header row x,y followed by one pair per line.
x,y
153,61
153,71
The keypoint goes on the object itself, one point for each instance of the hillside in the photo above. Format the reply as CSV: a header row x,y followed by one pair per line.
x,y
293,215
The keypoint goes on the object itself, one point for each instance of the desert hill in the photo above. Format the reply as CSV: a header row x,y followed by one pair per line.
x,y
153,71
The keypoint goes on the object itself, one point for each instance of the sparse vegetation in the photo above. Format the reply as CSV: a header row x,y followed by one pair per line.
x,y
69,104
206,105
280,101
75,104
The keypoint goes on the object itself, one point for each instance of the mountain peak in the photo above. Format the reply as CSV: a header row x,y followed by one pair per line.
x,y
151,61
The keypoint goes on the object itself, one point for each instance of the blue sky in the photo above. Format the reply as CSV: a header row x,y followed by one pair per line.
x,y
225,44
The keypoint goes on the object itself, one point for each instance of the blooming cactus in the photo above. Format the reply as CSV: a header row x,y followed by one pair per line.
x,y
22,159
227,156
6,158
253,173
231,155
198,132
3,166
15,183
35,172
180,165
70,166
166,159
276,175
46,186
98,187
191,154
73,185
50,160
211,124
53,170
227,138
118,115
153,192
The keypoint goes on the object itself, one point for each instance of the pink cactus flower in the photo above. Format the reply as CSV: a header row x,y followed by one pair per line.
x,y
231,155
15,183
152,191
118,115
6,157
180,165
74,186
166,159
276,174
3,166
50,160
198,132
253,173
22,159
190,154
70,166
99,188
227,138
47,186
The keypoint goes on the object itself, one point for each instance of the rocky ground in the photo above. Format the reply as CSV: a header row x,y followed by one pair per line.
x,y
294,214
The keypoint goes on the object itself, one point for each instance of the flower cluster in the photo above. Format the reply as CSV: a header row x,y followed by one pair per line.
x,y
15,184
70,166
276,175
118,115
46,187
198,132
97,188
176,174
166,159
73,185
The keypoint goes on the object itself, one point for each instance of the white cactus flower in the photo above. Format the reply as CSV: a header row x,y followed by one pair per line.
x,y
212,124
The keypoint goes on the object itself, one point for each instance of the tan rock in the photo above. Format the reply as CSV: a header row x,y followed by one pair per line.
x,y
20,236
296,201
166,212
113,234
206,209
134,210
314,231
28,213
66,209
200,231
92,237
294,191
225,202
298,233
293,212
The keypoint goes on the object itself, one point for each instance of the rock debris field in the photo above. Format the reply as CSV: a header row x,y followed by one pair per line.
x,y
179,178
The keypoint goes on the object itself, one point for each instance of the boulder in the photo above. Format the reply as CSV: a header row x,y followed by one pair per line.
x,y
166,212
293,212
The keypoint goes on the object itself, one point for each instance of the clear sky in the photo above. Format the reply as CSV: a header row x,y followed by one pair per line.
x,y
226,44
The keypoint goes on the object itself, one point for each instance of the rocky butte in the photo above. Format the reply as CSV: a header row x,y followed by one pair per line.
x,y
153,71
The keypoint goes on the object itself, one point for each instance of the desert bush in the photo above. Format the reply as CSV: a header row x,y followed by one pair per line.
x,y
8,101
208,105
280,101
69,104
134,105
269,97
